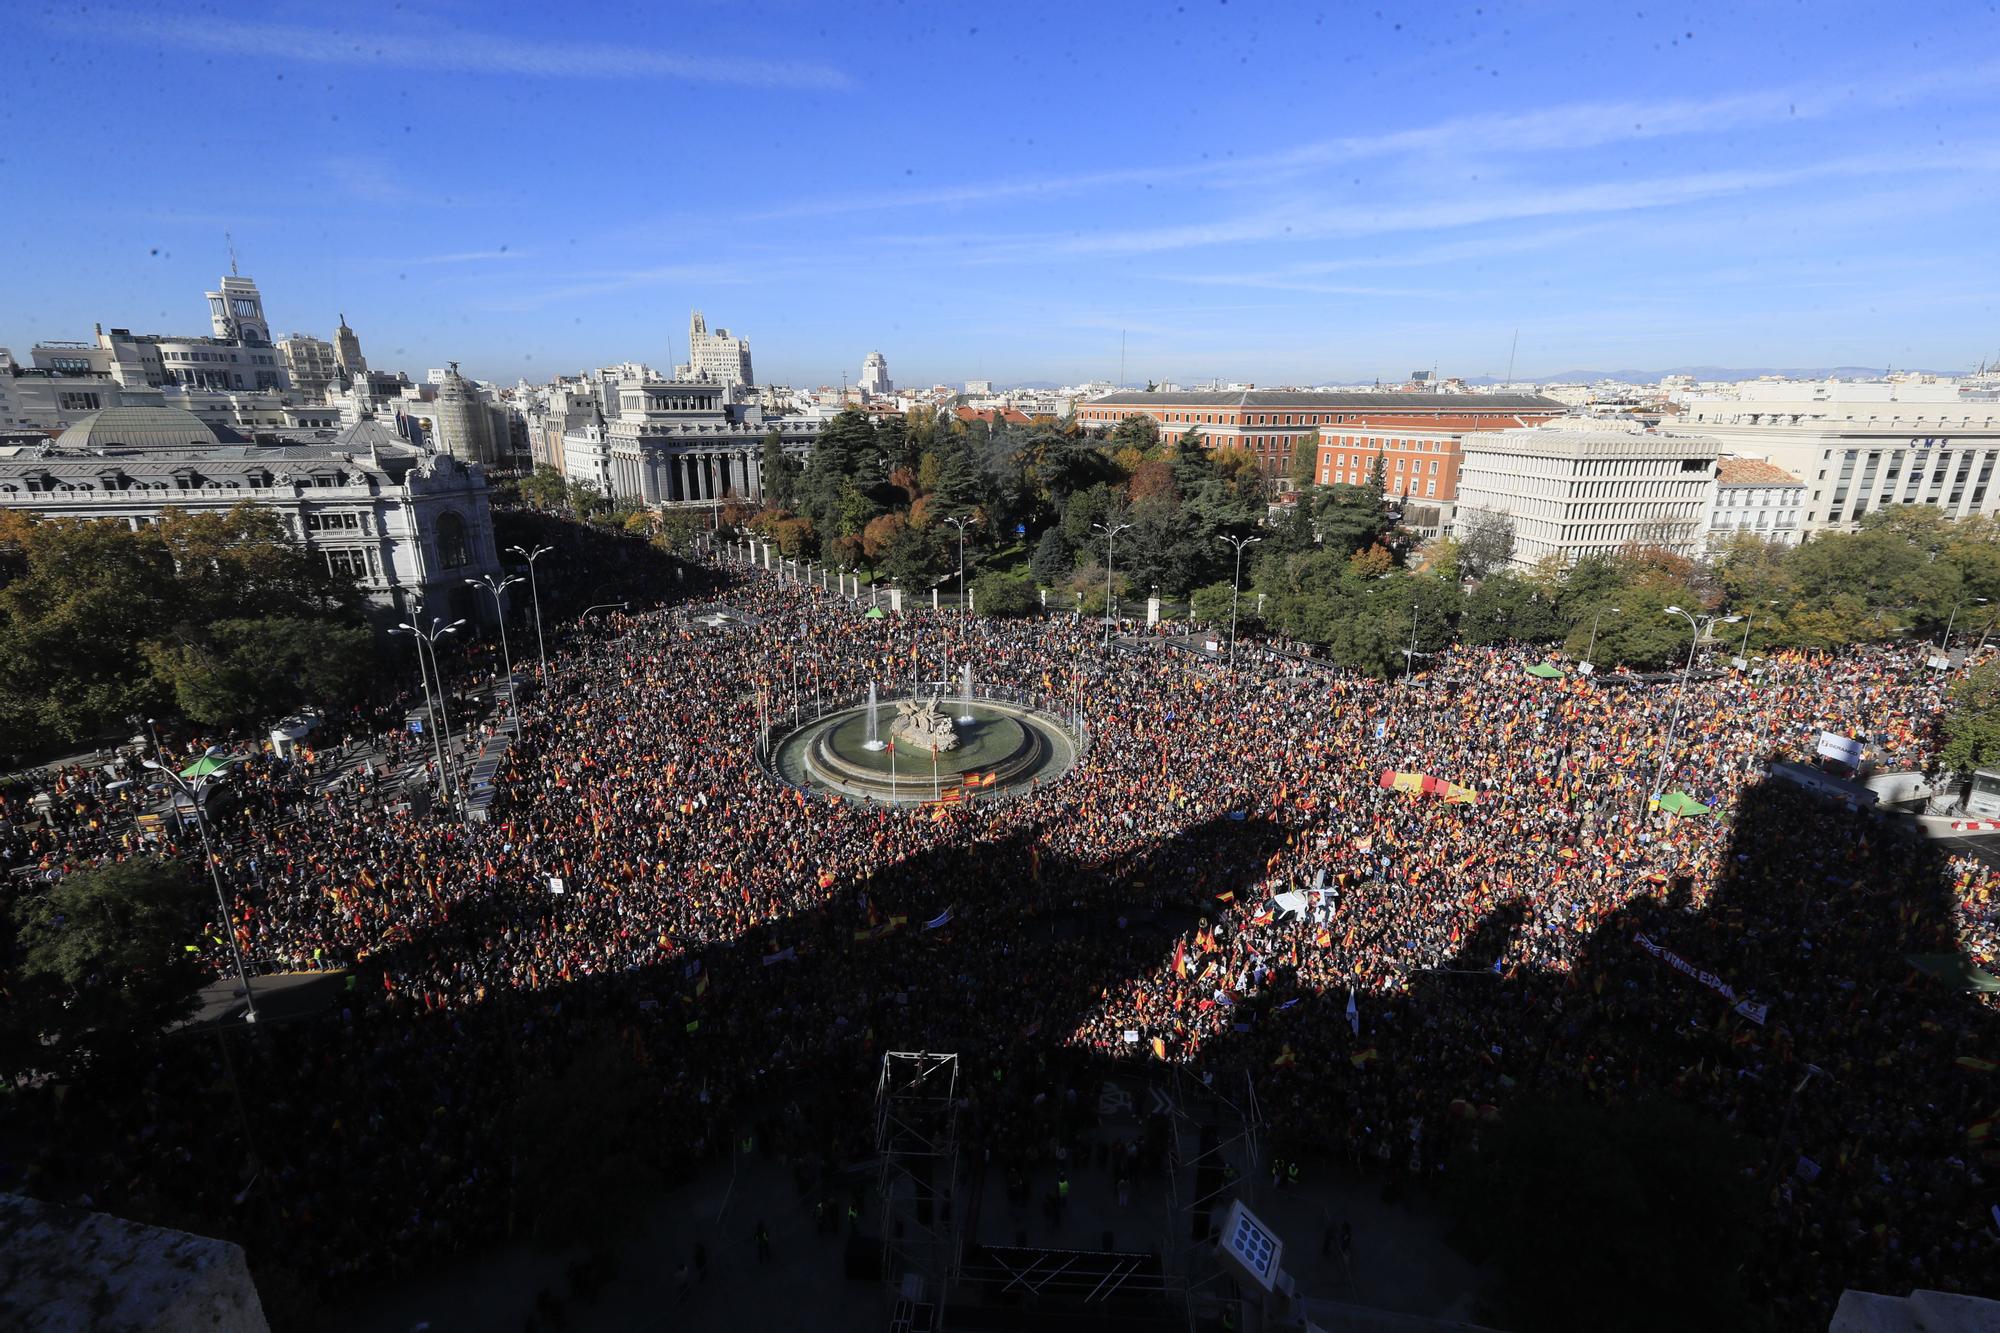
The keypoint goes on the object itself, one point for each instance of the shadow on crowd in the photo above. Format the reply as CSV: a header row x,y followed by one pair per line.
x,y
398,1132
402,1130
1759,1087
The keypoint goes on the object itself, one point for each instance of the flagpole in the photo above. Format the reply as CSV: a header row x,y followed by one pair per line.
x,y
892,772
934,777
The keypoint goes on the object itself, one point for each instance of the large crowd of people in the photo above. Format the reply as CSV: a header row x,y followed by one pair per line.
x,y
1233,879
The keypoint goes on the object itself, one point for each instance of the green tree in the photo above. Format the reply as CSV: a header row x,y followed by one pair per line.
x,y
1304,469
1972,726
1506,608
77,601
1487,543
104,961
779,476
1348,518
584,498
545,488
1054,558
1210,604
244,670
1137,431
996,593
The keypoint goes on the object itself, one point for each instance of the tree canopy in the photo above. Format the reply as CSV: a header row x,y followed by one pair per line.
x,y
219,616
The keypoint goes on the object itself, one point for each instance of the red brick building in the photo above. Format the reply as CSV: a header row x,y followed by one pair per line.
x,y
1270,423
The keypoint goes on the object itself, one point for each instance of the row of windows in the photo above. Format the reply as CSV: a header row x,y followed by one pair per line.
x,y
1395,485
1740,519
1377,442
333,522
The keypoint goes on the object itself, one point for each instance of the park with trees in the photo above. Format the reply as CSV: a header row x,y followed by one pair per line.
x,y
1325,568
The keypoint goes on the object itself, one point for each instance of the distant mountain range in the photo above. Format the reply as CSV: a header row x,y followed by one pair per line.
x,y
1706,373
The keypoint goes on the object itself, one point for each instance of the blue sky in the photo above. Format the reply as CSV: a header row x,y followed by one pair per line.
x,y
1285,193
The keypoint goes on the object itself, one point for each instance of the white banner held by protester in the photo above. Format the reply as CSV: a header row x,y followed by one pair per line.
x,y
1756,1013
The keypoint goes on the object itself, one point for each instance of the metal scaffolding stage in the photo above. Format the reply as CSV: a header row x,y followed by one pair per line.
x,y
916,1132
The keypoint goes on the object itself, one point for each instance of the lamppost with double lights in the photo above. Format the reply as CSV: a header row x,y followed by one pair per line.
x,y
439,742
1236,588
1110,531
193,792
1701,629
535,590
499,590
959,523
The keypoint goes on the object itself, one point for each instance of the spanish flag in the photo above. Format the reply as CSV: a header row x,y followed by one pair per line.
x,y
1180,958
1159,1048
1361,1058
1285,1057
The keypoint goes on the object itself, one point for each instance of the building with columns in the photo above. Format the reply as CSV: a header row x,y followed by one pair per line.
x,y
1858,446
679,442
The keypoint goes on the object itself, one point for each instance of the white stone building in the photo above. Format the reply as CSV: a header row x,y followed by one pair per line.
x,y
678,442
312,363
1859,446
1754,497
347,350
236,313
875,381
411,525
715,358
1575,487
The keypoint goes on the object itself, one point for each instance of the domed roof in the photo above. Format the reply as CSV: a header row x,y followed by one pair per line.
x,y
138,428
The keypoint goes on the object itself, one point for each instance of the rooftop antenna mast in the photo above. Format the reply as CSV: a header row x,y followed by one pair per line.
x,y
1512,348
230,241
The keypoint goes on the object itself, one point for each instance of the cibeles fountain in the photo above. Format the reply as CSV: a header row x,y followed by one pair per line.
x,y
920,725
914,749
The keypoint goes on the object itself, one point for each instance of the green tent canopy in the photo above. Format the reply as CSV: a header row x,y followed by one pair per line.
x,y
1682,804
873,613
1956,971
1545,671
207,764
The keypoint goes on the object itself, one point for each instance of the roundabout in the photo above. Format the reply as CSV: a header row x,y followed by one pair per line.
x,y
910,750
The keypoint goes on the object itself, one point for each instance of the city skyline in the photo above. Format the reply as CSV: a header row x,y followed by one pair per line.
x,y
1685,192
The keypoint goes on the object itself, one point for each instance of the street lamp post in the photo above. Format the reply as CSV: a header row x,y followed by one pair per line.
x,y
499,590
535,589
1944,644
1236,588
1110,531
1410,659
193,791
1589,654
960,523
436,706
1701,629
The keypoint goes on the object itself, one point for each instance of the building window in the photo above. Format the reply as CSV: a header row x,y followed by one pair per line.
x,y
353,564
452,550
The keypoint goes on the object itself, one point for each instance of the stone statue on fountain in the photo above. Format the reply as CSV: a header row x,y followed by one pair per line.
x,y
920,723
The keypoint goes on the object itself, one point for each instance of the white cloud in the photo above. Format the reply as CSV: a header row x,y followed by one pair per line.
x,y
471,257
1303,219
1568,128
448,50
